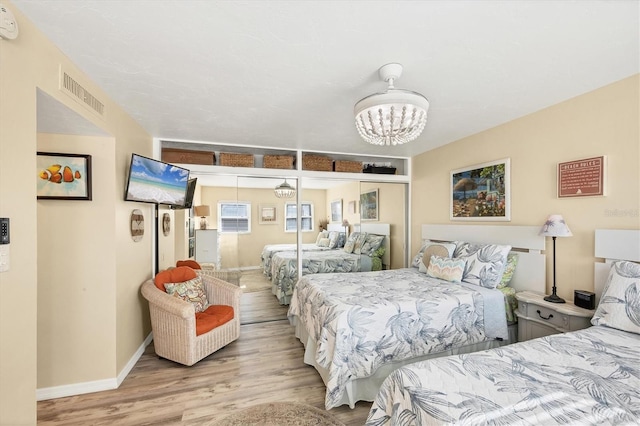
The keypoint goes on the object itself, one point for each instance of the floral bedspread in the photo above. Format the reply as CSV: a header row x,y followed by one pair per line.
x,y
284,268
361,321
270,249
586,377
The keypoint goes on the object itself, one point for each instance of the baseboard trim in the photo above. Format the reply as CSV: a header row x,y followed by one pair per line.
x,y
53,392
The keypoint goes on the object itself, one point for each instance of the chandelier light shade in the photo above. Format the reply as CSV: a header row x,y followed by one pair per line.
x,y
393,117
553,227
284,190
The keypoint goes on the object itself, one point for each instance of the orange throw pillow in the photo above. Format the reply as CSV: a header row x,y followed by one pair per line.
x,y
190,263
174,275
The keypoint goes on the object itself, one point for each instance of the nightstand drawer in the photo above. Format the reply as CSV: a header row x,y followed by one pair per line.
x,y
542,314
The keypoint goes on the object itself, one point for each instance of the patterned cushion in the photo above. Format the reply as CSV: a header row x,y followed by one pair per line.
x,y
371,244
434,249
485,263
351,241
321,235
357,245
446,268
427,243
324,242
619,305
334,238
189,291
512,261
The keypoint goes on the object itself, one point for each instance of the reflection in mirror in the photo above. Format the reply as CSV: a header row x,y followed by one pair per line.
x,y
385,203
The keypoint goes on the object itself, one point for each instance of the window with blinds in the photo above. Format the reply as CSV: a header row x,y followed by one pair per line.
x,y
291,219
234,217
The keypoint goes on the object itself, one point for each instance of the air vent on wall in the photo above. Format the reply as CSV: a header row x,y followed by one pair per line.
x,y
74,89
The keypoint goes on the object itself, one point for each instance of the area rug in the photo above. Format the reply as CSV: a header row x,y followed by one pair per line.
x,y
281,414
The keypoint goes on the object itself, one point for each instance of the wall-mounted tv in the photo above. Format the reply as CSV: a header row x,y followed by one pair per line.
x,y
153,181
191,189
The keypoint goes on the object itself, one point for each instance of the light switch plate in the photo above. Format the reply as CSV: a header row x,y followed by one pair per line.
x,y
4,258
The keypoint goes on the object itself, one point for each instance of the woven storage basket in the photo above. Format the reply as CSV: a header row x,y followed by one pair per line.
x,y
347,166
318,163
185,156
236,160
278,161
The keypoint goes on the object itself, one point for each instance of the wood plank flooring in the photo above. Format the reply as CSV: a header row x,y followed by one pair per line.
x,y
263,365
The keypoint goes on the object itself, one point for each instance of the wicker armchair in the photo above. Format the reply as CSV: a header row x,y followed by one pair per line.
x,y
173,321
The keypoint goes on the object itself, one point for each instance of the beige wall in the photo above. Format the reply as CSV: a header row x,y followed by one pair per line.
x,y
244,250
30,62
603,122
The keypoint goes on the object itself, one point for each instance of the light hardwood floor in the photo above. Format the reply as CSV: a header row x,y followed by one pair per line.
x,y
263,365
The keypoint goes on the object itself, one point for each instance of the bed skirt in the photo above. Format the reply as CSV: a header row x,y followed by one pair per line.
x,y
365,389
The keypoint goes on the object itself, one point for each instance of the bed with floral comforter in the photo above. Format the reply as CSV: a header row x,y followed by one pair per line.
x,y
355,324
284,268
270,249
586,377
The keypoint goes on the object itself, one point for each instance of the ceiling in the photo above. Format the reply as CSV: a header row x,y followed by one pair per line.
x,y
287,73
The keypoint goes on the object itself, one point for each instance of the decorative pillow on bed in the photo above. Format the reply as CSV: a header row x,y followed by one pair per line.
x,y
321,235
371,243
324,242
434,249
512,261
334,238
428,243
446,268
485,263
357,245
189,291
619,305
351,241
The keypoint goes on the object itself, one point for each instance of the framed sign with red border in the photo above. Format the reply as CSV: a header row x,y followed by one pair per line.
x,y
582,178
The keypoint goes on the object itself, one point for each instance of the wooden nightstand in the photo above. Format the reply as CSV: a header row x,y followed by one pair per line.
x,y
538,318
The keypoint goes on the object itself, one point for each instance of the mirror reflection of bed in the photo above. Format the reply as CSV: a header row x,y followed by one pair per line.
x,y
273,221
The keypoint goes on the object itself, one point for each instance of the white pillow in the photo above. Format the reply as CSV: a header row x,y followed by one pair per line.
x,y
485,263
321,235
619,305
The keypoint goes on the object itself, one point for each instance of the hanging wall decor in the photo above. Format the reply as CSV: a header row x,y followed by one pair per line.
x,y
63,176
481,192
137,225
166,224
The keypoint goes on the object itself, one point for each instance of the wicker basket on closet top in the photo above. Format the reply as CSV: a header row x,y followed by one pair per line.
x,y
236,160
278,161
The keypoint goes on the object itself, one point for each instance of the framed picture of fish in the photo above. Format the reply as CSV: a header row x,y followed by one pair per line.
x,y
481,192
63,176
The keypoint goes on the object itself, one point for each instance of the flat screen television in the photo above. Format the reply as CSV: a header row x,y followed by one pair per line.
x,y
157,182
191,189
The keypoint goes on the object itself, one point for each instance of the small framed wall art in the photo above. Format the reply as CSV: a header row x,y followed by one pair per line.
x,y
369,205
268,214
63,176
336,211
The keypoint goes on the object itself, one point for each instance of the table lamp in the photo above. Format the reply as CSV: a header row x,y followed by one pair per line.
x,y
553,227
203,212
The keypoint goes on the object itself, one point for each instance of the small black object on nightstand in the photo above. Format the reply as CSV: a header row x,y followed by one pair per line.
x,y
584,299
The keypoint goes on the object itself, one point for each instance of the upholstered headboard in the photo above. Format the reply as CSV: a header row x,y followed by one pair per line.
x,y
612,245
530,272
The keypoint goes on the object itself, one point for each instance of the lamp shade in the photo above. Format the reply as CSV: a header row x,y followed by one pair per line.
x,y
284,190
202,211
555,226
